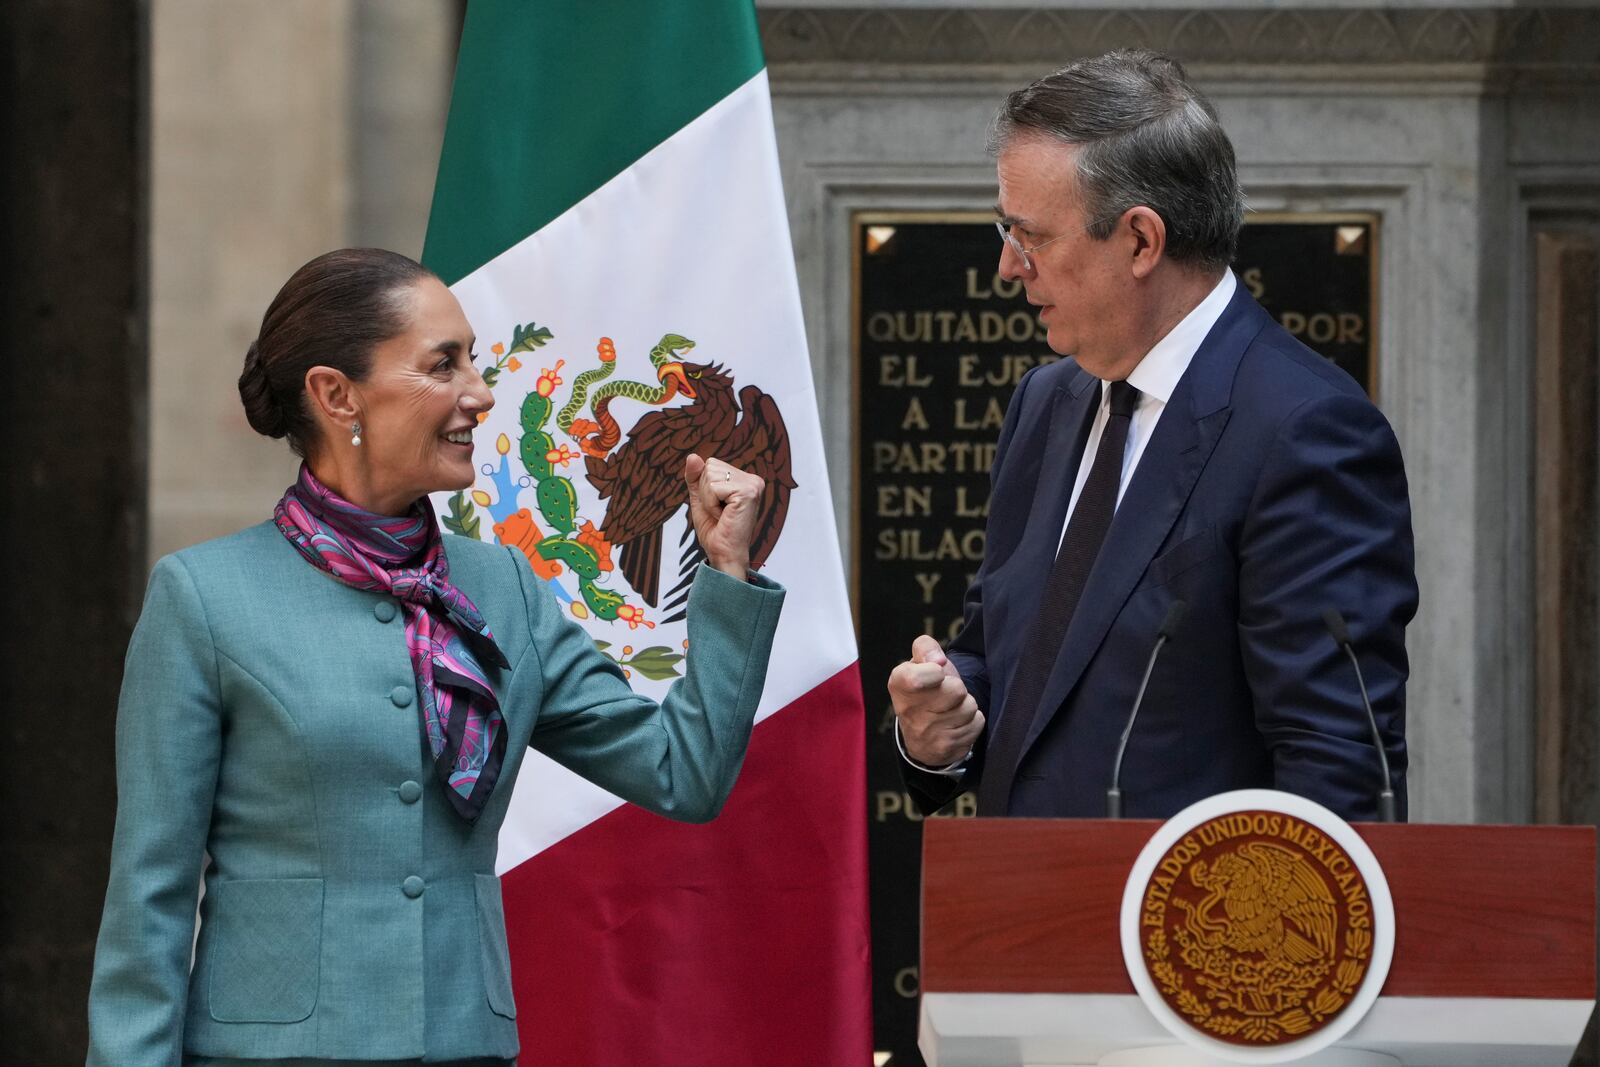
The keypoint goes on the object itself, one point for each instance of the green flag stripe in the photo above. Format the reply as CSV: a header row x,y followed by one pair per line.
x,y
553,98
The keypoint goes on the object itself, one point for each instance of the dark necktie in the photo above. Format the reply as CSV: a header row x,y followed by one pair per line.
x,y
1086,530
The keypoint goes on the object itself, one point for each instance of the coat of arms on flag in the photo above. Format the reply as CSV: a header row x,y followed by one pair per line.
x,y
573,468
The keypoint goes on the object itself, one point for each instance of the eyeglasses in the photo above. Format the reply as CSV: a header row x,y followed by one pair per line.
x,y
1018,247
1024,253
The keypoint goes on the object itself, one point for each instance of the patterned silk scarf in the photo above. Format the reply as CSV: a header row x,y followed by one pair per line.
x,y
405,558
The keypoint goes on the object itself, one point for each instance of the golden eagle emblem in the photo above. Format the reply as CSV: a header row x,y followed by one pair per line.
x,y
1256,928
1273,905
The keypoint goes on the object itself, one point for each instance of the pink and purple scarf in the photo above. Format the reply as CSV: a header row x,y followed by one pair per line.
x,y
404,557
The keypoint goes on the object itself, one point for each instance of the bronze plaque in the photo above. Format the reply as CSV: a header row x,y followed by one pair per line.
x,y
939,344
1316,275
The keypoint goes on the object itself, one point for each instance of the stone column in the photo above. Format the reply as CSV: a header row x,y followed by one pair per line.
x,y
403,60
250,162
73,409
282,129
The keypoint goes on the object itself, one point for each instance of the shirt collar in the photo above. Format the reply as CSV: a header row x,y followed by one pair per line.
x,y
1157,374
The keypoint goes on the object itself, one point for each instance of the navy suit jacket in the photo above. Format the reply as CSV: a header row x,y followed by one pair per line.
x,y
1271,489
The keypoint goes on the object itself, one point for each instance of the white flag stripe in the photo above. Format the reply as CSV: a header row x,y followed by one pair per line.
x,y
718,269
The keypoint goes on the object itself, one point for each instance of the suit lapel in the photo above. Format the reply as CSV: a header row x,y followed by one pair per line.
x,y
1171,464
1070,416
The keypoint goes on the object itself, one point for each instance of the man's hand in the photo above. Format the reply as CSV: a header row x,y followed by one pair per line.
x,y
939,719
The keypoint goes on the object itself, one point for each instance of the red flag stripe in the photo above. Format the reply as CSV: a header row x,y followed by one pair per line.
x,y
638,940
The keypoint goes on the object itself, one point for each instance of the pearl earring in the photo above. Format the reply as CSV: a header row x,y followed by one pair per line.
x,y
355,434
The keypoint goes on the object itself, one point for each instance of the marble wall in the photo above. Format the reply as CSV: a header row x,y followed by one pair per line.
x,y
1456,126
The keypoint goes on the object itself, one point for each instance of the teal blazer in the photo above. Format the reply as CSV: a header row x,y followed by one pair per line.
x,y
268,717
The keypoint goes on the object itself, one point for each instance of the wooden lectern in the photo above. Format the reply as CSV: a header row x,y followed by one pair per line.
x,y
1022,964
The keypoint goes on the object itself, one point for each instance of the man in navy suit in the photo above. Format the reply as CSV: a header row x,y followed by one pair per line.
x,y
1190,449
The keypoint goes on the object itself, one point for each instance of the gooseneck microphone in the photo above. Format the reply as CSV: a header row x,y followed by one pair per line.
x,y
1169,626
1341,635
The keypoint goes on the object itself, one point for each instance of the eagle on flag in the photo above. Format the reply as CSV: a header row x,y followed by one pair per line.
x,y
643,479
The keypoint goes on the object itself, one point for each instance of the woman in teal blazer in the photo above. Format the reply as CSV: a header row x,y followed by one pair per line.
x,y
333,706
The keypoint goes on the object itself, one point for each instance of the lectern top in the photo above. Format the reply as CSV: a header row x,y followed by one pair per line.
x,y
1032,905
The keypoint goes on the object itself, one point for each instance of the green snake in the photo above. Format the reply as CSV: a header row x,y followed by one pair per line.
x,y
668,351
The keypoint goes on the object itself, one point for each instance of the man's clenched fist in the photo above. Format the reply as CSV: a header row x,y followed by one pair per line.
x,y
938,718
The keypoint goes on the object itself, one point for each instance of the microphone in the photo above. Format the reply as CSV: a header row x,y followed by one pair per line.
x,y
1341,635
1169,626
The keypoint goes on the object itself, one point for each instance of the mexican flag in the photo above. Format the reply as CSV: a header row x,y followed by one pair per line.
x,y
610,215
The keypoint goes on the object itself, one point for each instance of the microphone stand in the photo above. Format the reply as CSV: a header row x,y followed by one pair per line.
x,y
1169,625
1341,635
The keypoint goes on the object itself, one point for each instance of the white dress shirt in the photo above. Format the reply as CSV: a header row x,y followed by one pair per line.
x,y
1155,376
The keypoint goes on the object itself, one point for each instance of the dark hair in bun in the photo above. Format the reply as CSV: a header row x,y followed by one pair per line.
x,y
332,312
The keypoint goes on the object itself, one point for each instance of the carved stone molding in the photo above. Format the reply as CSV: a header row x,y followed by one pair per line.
x,y
823,40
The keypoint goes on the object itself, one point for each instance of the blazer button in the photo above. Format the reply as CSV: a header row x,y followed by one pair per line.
x,y
410,792
401,695
412,887
384,610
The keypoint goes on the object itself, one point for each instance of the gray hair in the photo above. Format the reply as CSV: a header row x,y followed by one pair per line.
x,y
1145,137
